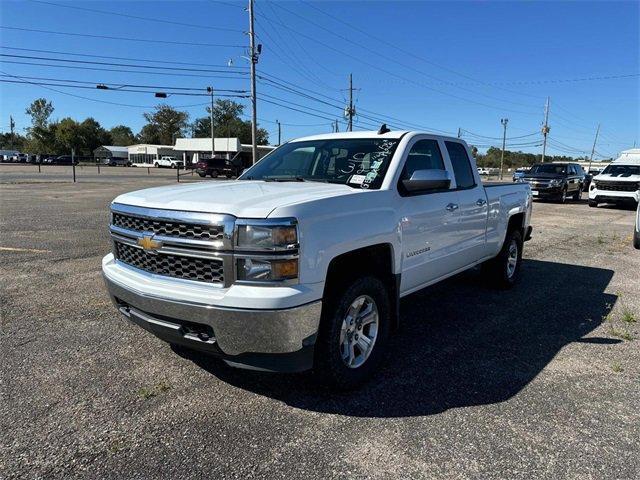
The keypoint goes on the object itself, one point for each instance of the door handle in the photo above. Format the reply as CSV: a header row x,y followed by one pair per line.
x,y
480,202
451,207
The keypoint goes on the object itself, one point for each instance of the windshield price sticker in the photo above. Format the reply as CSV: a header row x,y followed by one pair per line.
x,y
357,179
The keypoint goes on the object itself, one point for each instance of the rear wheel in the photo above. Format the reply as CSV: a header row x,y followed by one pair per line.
x,y
156,165
636,239
504,269
353,333
214,174
202,175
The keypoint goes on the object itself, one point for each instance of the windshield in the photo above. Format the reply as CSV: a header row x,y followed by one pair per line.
x,y
622,170
549,168
357,162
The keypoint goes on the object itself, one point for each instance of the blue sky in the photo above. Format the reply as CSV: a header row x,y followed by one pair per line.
x,y
437,65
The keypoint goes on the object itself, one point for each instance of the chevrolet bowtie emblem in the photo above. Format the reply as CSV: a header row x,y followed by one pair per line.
x,y
148,243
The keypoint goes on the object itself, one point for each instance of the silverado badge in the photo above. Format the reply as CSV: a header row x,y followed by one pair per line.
x,y
148,243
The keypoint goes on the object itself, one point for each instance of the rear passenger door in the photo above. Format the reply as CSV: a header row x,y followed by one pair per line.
x,y
472,201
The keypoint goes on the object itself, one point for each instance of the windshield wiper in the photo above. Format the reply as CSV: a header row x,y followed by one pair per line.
x,y
284,179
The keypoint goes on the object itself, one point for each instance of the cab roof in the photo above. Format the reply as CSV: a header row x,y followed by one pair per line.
x,y
394,135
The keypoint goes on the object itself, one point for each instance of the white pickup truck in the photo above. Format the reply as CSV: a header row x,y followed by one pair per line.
x,y
301,262
169,162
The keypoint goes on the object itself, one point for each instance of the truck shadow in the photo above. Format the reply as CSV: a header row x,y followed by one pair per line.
x,y
460,344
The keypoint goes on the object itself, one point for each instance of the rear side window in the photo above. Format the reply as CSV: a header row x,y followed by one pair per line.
x,y
461,165
424,155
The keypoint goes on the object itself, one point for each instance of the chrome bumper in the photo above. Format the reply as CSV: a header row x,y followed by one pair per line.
x,y
277,340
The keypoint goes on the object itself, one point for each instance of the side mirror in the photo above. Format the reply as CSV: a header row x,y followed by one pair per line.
x,y
427,180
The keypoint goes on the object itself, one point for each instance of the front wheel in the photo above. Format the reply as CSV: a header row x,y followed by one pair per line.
x,y
214,174
593,203
353,333
503,270
636,239
563,196
578,194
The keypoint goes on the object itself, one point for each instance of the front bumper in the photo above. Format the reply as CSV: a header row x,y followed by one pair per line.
x,y
544,192
273,340
613,196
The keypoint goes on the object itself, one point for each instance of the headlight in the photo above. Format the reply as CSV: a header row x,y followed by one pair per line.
x,y
266,270
268,235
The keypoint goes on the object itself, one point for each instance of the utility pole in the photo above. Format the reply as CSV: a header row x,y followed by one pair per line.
x,y
545,128
459,132
279,130
12,125
593,150
253,54
335,128
504,122
350,111
210,90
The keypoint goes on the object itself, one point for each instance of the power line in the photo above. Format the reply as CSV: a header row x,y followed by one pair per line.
x,y
114,58
406,79
136,17
157,87
111,64
76,67
125,39
394,60
99,101
499,138
86,87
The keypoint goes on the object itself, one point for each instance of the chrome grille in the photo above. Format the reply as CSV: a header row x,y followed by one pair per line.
x,y
171,229
617,186
189,268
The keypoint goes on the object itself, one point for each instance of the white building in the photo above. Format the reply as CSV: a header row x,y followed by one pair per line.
x,y
194,149
145,155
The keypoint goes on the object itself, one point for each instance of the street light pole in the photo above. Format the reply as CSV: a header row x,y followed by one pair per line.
x,y
210,90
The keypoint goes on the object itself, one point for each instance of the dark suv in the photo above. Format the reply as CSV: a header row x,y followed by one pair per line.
x,y
556,180
212,167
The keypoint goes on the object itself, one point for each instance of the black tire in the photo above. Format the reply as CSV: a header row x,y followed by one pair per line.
x,y
156,165
329,366
593,203
229,175
636,239
202,175
214,174
563,195
497,270
578,194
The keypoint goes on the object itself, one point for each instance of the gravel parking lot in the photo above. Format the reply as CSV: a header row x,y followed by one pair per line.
x,y
538,382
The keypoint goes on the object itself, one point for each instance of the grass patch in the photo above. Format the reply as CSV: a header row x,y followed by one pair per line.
x,y
149,392
616,367
628,316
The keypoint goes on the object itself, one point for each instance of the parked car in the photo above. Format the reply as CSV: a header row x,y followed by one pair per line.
x,y
212,167
619,182
519,173
64,160
169,162
636,232
114,162
301,262
555,180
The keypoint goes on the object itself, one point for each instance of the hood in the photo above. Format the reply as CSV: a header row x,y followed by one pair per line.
x,y
619,177
243,198
544,175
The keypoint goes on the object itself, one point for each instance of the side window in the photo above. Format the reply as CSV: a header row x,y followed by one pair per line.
x,y
424,155
461,165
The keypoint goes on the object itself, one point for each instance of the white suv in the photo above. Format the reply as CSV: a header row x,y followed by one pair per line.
x,y
619,182
170,162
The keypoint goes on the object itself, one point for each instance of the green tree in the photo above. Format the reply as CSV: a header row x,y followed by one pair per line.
x,y
15,142
163,125
40,110
92,135
68,136
227,123
122,135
